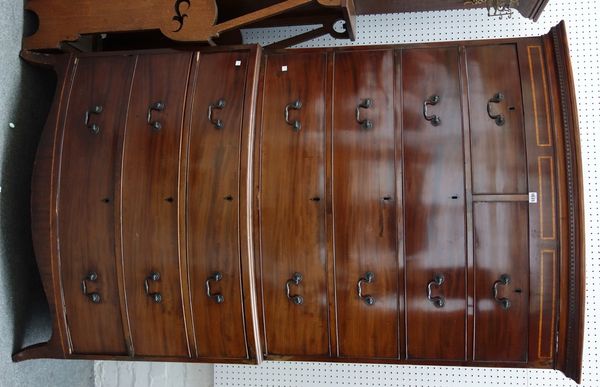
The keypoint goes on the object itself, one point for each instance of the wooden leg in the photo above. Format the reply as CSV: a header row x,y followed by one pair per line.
x,y
49,350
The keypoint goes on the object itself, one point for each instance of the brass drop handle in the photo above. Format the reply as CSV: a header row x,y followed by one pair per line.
x,y
368,278
364,104
499,118
295,298
504,280
220,104
438,301
155,296
216,277
296,105
432,101
94,296
158,107
94,128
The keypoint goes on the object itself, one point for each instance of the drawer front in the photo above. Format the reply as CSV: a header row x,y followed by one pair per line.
x,y
292,206
501,281
150,178
213,201
86,209
497,144
364,205
434,205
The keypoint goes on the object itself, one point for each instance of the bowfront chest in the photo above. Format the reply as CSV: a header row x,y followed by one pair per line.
x,y
398,204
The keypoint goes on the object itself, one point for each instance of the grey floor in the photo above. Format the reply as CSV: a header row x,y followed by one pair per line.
x,y
25,95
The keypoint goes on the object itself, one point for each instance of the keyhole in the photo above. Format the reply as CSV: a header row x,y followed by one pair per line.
x,y
106,200
316,199
518,290
229,198
454,197
169,199
387,198
511,108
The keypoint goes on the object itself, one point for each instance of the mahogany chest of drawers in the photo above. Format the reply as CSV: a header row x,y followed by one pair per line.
x,y
400,204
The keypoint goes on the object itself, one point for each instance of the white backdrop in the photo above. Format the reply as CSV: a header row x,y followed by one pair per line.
x,y
584,37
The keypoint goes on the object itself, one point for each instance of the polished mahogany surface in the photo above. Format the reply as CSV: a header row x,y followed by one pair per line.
x,y
501,248
498,149
399,210
292,205
86,221
434,204
213,200
150,232
364,204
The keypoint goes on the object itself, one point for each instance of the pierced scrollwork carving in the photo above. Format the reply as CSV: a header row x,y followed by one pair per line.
x,y
179,16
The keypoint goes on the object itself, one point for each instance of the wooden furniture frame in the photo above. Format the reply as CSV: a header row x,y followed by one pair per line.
x,y
555,317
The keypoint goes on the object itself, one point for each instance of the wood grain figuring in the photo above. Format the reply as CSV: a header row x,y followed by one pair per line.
x,y
213,200
364,206
501,247
86,204
547,280
541,104
499,163
292,205
434,205
547,197
149,217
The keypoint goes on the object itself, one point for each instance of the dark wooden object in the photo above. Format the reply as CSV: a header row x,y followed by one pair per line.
x,y
390,206
434,205
293,179
364,211
148,191
139,224
531,9
179,20
460,207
